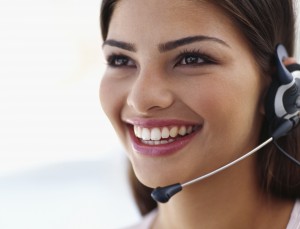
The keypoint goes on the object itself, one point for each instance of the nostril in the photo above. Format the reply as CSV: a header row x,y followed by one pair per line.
x,y
149,94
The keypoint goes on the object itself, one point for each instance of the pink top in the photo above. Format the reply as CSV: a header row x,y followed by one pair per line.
x,y
294,222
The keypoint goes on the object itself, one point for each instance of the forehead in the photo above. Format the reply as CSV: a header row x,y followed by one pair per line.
x,y
166,17
165,8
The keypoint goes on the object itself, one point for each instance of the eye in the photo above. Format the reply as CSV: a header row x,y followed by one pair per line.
x,y
120,61
191,59
194,58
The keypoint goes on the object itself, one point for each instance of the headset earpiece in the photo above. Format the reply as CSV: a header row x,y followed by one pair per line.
x,y
282,101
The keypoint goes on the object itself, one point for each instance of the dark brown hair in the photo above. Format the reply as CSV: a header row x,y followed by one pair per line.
x,y
264,24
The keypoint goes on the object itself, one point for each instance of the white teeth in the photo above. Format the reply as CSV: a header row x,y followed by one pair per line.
x,y
146,134
155,135
158,142
182,130
165,133
174,131
138,131
135,128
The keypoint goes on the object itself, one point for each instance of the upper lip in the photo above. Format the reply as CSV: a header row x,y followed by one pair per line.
x,y
148,123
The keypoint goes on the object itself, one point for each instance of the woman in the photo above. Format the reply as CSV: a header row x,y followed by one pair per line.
x,y
185,88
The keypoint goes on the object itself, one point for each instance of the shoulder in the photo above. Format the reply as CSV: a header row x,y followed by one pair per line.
x,y
146,221
294,222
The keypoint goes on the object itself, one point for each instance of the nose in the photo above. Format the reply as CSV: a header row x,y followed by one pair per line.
x,y
150,92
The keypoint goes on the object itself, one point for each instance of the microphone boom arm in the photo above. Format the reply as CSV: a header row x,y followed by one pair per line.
x,y
163,194
229,164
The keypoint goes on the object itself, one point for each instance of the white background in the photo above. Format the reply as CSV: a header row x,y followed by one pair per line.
x,y
50,69
61,165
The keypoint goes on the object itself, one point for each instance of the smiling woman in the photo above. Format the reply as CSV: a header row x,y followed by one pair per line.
x,y
189,80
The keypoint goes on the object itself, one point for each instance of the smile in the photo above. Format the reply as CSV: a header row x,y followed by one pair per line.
x,y
161,140
162,135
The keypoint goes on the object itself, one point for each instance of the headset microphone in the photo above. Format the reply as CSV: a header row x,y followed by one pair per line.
x,y
163,194
282,111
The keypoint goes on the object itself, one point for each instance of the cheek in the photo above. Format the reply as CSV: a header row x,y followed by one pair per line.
x,y
237,114
219,109
212,99
230,107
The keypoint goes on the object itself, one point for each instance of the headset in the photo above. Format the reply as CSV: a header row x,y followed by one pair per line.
x,y
282,107
283,98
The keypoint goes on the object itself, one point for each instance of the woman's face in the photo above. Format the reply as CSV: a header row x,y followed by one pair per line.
x,y
181,88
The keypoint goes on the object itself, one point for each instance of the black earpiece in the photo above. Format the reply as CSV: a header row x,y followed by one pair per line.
x,y
283,97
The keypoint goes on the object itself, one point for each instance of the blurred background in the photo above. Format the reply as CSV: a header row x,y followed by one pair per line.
x,y
61,165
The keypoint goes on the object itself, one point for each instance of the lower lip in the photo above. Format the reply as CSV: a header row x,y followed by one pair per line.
x,y
160,150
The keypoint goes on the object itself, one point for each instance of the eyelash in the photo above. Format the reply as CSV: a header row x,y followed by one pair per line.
x,y
206,59
111,60
194,53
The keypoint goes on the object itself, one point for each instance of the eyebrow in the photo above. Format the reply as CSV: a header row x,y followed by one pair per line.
x,y
164,47
120,44
188,40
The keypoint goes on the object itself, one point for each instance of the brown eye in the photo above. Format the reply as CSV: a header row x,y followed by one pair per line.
x,y
191,59
119,61
194,58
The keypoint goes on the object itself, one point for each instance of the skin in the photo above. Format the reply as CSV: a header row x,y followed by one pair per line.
x,y
224,93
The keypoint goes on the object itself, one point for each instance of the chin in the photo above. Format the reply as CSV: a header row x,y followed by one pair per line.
x,y
155,177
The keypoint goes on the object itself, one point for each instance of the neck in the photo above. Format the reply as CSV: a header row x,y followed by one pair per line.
x,y
226,200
